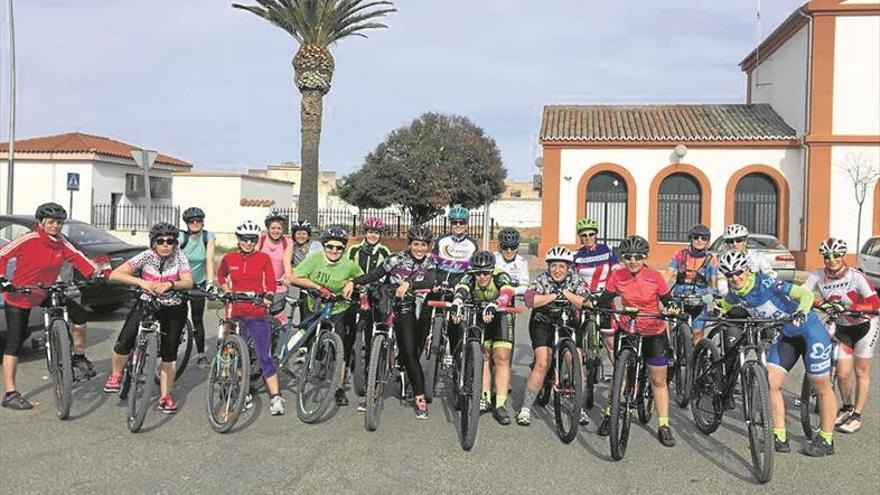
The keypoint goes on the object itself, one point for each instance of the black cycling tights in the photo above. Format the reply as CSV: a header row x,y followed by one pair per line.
x,y
410,338
172,319
197,310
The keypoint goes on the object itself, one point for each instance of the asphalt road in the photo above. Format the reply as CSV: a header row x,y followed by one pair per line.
x,y
93,452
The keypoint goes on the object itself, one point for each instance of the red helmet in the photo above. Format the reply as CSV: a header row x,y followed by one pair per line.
x,y
374,223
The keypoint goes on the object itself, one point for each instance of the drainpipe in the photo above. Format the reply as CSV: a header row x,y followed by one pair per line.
x,y
807,125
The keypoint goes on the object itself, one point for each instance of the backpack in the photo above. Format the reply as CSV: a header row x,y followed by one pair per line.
x,y
263,241
185,235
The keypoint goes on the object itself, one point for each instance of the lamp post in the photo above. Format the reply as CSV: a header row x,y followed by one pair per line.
x,y
10,161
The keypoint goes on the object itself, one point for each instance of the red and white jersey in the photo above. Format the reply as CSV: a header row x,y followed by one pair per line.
x,y
850,289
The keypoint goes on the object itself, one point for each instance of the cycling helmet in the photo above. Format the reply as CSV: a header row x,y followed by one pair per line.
x,y
700,229
275,216
587,224
301,225
732,262
459,212
833,246
163,229
559,253
374,223
508,237
634,244
247,228
50,210
419,233
482,261
735,230
192,213
335,233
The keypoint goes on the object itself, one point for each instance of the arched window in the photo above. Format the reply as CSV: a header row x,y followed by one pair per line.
x,y
678,207
756,204
606,201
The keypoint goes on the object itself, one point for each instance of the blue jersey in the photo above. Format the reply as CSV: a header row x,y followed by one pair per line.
x,y
766,297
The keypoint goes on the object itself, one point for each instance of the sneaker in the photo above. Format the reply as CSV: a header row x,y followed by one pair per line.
x,y
605,426
730,404
16,401
501,415
817,447
485,405
780,446
167,404
524,417
202,361
843,414
585,418
85,367
421,409
248,401
852,424
341,399
362,404
276,406
113,384
664,434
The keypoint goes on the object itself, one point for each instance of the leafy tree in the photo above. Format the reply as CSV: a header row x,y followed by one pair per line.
x,y
315,24
437,160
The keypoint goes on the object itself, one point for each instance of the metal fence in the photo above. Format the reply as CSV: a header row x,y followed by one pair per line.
x,y
132,217
396,223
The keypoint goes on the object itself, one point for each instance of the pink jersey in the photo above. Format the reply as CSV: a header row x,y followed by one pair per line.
x,y
276,256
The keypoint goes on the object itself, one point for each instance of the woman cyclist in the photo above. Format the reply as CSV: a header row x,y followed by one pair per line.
x,y
276,245
736,238
594,262
198,245
509,261
301,231
408,270
841,288
249,270
370,252
694,271
158,271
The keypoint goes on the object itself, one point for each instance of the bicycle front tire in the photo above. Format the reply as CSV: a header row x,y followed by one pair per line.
x,y
622,386
228,384
756,411
60,367
323,366
681,369
432,361
143,383
568,392
472,390
377,378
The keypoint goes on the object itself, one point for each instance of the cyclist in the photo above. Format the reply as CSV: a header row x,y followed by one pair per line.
x,y
301,231
736,237
805,337
330,272
370,252
484,283
198,245
250,270
408,270
840,288
38,257
640,286
694,271
451,254
158,271
508,260
557,282
279,248
594,262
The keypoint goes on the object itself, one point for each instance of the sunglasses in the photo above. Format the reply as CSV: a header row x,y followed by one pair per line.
x,y
166,241
832,256
734,274
587,234
334,247
634,257
196,220
483,273
250,239
735,240
700,237
509,248
458,222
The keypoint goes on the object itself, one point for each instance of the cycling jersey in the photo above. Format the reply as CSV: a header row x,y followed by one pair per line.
x,y
275,252
766,297
38,259
301,251
368,256
151,267
851,288
694,268
333,275
518,269
500,289
403,267
247,272
643,290
594,265
544,285
452,256
196,251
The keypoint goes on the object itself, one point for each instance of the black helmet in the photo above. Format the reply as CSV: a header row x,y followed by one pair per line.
x,y
335,233
275,216
508,237
162,229
50,210
301,225
699,229
634,244
481,261
419,233
193,212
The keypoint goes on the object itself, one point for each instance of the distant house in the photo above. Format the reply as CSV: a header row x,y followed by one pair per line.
x,y
292,172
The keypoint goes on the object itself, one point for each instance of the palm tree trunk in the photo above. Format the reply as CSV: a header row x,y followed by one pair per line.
x,y
311,110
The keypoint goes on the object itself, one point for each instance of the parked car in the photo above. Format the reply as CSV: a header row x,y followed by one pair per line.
x,y
868,261
779,256
103,249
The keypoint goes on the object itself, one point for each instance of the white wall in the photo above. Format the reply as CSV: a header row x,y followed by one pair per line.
x,y
780,80
516,212
857,75
219,197
266,189
38,182
717,164
844,209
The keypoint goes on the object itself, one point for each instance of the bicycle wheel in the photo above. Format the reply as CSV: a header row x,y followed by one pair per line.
x,y
228,383
472,390
809,408
622,388
591,362
320,378
143,383
645,400
756,411
359,356
60,366
568,392
184,351
433,357
684,350
546,390
705,402
377,378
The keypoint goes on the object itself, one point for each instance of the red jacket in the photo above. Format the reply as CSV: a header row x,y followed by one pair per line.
x,y
38,259
247,273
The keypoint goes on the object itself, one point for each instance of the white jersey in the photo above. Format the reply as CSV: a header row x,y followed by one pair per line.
x,y
518,269
758,263
851,288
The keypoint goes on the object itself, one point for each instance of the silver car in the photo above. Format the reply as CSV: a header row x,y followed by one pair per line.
x,y
869,261
779,256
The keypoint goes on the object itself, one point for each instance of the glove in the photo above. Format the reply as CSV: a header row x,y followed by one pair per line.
x,y
210,288
99,279
833,308
708,298
798,318
491,308
5,285
325,293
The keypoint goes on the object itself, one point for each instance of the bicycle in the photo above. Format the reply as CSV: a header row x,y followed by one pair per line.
x,y
682,346
436,354
363,323
715,372
592,349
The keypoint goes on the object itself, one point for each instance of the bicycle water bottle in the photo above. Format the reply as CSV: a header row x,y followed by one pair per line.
x,y
295,341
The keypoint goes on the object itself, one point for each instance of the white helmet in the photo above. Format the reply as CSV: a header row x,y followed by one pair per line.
x,y
732,262
559,253
735,230
833,246
247,228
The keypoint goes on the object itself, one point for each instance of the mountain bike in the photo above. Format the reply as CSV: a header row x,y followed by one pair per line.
x,y
592,349
436,355
363,327
682,346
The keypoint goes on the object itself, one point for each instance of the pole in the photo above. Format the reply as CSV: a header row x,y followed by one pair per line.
x,y
70,205
149,194
10,161
486,219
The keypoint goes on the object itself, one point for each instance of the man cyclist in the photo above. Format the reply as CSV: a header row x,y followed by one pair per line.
x,y
451,254
594,262
483,283
736,237
842,288
38,257
198,245
694,271
804,337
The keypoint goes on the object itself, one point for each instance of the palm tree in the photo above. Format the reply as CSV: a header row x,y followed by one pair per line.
x,y
315,24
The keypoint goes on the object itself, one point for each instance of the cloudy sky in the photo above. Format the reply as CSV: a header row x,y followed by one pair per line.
x,y
204,82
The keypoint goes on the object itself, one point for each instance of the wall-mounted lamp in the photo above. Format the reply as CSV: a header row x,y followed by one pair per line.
x,y
680,151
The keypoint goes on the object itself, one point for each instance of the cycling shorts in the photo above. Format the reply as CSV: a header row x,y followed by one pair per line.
x,y
813,345
858,340
499,333
17,330
542,334
654,348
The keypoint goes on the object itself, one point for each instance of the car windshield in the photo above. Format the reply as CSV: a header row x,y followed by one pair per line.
x,y
83,234
764,243
872,247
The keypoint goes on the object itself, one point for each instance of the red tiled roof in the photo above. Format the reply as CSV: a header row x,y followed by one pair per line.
x,y
77,142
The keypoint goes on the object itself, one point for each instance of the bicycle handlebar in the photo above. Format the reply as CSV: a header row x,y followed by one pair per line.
x,y
498,309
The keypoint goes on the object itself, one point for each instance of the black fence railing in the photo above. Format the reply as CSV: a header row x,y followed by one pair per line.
x,y
132,217
396,223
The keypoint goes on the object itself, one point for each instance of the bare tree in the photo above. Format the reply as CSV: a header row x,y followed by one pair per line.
x,y
863,171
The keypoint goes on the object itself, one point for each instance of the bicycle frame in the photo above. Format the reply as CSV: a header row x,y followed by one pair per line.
x,y
748,344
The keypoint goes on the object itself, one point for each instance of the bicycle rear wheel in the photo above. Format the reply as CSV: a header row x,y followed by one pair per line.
x,y
60,366
568,391
592,348
684,350
433,357
705,402
359,356
472,390
320,377
377,378
143,383
756,411
622,389
228,383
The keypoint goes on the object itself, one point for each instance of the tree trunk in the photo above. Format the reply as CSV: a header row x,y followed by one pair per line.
x,y
310,114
